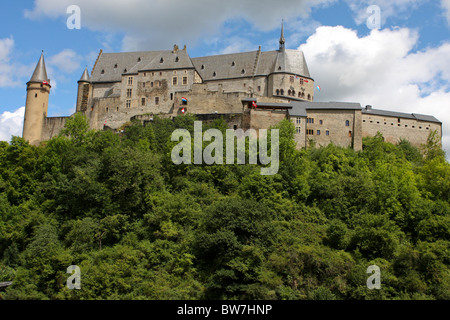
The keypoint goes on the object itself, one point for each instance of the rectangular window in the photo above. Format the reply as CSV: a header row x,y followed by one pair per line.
x,y
292,78
143,102
157,100
318,132
299,120
143,85
128,104
151,84
129,93
130,81
298,129
327,132
259,88
310,120
301,81
185,81
175,81
310,132
320,121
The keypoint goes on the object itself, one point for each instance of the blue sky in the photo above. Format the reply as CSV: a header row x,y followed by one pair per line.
x,y
403,66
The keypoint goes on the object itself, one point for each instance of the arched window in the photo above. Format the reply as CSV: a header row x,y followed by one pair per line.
x,y
293,93
347,123
289,92
282,92
299,94
278,92
309,97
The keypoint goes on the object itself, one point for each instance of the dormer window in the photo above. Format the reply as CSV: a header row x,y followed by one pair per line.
x,y
203,67
243,71
115,66
139,59
125,71
103,72
177,59
279,68
161,61
214,74
233,64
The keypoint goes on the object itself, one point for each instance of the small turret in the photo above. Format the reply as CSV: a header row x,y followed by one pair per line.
x,y
84,91
85,77
36,107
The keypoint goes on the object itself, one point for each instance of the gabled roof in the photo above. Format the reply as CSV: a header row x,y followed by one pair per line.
x,y
111,66
226,66
300,108
40,73
395,114
251,64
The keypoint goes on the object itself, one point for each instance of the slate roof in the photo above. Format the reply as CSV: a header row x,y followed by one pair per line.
x,y
111,66
85,76
394,114
40,73
299,108
249,64
221,66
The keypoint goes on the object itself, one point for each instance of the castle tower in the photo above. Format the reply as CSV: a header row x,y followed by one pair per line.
x,y
36,107
84,85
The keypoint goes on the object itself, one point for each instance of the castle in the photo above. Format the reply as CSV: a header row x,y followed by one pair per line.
x,y
250,90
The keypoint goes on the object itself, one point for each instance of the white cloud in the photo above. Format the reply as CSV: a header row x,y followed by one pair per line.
x,y
11,124
148,24
381,70
67,61
10,71
446,6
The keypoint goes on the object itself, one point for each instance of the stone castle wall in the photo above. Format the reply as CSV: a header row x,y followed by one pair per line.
x,y
394,129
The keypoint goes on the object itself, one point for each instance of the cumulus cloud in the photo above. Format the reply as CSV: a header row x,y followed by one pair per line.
x,y
10,71
11,124
152,24
446,6
382,70
67,61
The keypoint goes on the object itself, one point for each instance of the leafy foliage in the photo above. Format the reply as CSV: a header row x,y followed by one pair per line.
x,y
140,227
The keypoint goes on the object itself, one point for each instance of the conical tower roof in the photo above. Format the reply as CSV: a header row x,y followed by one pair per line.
x,y
85,77
40,73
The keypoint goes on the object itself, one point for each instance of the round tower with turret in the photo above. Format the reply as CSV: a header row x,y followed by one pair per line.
x,y
36,107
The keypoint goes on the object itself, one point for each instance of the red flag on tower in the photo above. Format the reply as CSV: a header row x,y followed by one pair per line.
x,y
254,104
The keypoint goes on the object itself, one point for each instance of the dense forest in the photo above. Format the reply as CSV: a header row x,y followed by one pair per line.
x,y
140,227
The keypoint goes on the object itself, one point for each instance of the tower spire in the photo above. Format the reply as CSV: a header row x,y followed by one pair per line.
x,y
282,39
40,73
